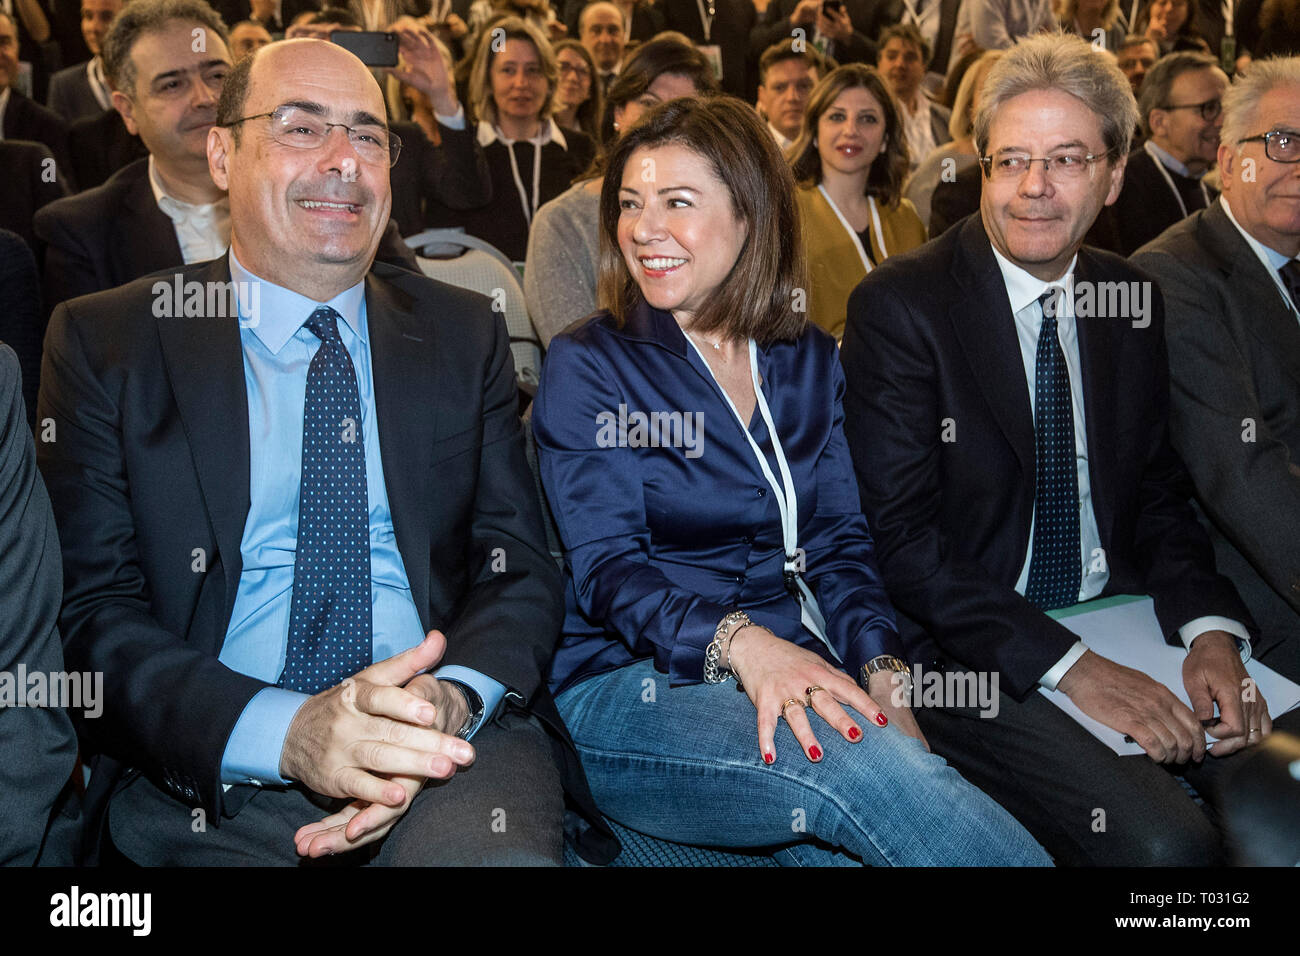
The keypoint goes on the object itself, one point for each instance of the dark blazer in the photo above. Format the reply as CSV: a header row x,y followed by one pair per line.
x,y
37,747
30,183
774,26
1146,206
110,235
152,461
661,542
731,25
71,96
931,339
22,320
101,145
1234,362
29,120
432,182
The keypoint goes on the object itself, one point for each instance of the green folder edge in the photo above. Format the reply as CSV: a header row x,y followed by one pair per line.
x,y
1097,604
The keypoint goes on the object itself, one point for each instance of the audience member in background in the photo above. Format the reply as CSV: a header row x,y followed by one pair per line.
x,y
160,211
341,564
721,30
1279,33
21,117
701,265
644,19
246,37
22,320
947,94
1058,485
579,100
564,245
1136,56
937,22
602,31
82,91
539,13
845,34
959,155
1171,24
38,749
31,182
101,145
1231,282
996,24
903,55
850,162
32,36
530,160
1181,110
1097,21
786,78
273,15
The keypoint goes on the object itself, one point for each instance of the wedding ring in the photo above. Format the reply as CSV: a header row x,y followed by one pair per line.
x,y
809,691
788,702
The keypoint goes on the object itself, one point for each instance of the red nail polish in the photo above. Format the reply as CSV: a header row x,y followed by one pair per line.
x,y
882,720
815,752
854,733
768,758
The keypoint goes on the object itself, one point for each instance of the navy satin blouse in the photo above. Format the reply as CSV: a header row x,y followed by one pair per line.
x,y
666,518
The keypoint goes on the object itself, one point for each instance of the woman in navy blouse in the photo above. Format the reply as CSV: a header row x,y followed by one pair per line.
x,y
691,446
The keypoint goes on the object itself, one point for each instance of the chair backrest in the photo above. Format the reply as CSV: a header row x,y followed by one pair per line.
x,y
481,267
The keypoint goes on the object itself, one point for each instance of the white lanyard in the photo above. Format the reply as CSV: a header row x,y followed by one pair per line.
x,y
857,241
706,19
918,13
1170,180
787,500
519,183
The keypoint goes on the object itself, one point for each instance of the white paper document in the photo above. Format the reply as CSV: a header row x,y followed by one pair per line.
x,y
1126,631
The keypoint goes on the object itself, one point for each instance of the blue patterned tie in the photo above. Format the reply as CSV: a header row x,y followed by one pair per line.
x,y
330,616
1057,566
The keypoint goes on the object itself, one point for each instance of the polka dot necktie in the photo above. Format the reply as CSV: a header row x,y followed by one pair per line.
x,y
1291,279
330,615
1056,567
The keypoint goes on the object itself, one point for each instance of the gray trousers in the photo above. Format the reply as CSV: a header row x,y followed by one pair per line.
x,y
1084,803
506,809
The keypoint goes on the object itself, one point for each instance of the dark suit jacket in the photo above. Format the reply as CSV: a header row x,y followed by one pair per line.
x,y
37,747
29,184
22,320
1234,355
774,26
429,180
931,337
1146,206
731,25
71,96
110,235
101,145
236,11
29,120
152,461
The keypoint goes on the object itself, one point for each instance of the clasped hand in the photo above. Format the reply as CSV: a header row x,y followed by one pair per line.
x,y
375,737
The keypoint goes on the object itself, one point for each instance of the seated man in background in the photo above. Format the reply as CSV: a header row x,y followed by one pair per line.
x,y
20,116
1232,287
1181,110
82,91
37,747
247,36
1136,55
1014,458
903,55
275,520
786,78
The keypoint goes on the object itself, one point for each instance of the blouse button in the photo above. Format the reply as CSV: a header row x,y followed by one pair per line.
x,y
759,493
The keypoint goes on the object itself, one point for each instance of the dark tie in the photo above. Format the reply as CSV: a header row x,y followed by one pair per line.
x,y
330,616
1291,279
1056,566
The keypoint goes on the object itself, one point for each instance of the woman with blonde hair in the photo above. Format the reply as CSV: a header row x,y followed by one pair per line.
x,y
850,161
1094,20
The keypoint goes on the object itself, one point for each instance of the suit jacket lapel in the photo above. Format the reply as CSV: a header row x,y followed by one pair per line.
x,y
147,238
404,361
987,331
205,367
1098,351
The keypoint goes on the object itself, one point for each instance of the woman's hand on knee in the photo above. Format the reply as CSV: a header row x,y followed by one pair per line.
x,y
783,679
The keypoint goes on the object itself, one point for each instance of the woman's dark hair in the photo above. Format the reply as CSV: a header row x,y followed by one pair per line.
x,y
588,115
762,296
668,52
1188,36
889,169
952,83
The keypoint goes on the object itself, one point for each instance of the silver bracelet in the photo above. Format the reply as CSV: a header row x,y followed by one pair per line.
x,y
732,622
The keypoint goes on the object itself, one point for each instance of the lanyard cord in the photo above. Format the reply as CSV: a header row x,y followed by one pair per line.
x,y
519,183
706,19
857,242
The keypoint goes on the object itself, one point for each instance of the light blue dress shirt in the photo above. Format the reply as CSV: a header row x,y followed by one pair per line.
x,y
277,352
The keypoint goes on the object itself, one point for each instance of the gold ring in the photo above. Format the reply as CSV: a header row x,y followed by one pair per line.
x,y
788,702
809,691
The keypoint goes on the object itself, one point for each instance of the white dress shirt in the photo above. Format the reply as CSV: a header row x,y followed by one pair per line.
x,y
202,231
1272,259
1023,291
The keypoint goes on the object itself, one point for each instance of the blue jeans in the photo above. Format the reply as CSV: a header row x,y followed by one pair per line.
x,y
682,764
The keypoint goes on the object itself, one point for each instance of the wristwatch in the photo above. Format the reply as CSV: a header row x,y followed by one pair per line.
x,y
886,662
475,709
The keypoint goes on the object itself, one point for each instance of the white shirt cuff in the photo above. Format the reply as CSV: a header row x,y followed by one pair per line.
x,y
1053,676
1194,629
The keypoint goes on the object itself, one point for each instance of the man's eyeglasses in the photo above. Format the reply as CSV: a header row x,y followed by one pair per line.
x,y
1070,165
1209,110
303,129
1280,145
